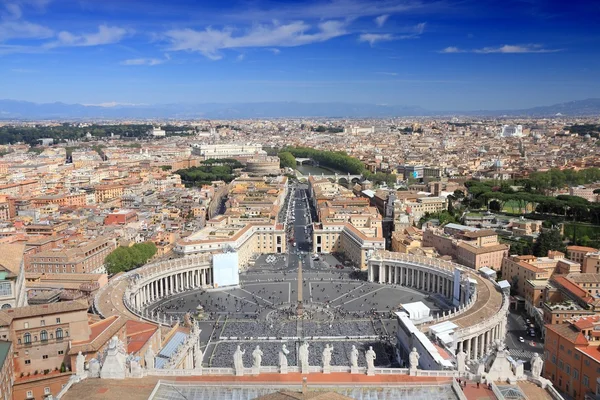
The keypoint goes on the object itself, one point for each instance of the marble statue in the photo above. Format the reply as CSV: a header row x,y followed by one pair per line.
x,y
327,355
370,356
149,358
326,358
80,364
94,369
536,365
114,365
134,368
257,357
460,361
303,355
238,361
198,356
354,357
283,361
413,359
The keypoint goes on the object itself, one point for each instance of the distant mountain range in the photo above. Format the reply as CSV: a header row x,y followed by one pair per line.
x,y
12,109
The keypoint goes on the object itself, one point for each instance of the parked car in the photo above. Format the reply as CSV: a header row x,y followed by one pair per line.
x,y
521,339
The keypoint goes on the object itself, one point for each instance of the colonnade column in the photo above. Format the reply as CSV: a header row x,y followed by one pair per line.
x,y
469,348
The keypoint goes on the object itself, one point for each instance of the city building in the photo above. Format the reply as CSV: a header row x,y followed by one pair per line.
x,y
591,263
12,276
156,131
512,131
7,378
586,192
41,335
120,217
82,257
572,355
579,253
227,150
475,248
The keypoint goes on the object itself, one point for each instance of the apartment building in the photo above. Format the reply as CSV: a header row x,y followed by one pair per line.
x,y
586,192
104,193
347,223
120,217
418,207
578,253
520,269
403,241
248,238
66,199
40,335
472,247
572,356
591,263
227,150
83,257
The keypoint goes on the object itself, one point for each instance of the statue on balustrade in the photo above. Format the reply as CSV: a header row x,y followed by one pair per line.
x,y
303,355
80,364
283,361
149,358
238,361
354,357
413,359
370,356
536,365
257,357
326,356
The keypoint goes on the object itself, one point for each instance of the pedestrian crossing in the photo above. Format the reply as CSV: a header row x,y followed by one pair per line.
x,y
521,354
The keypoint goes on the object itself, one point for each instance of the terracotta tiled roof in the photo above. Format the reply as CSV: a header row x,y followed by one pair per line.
x,y
573,288
12,255
568,332
581,248
6,316
101,332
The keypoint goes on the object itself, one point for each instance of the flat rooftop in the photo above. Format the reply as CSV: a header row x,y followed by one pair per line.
x,y
250,387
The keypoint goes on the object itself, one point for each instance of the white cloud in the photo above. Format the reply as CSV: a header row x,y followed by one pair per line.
x,y
335,9
373,38
413,32
451,49
19,29
13,27
388,73
275,50
240,57
143,61
380,21
14,10
105,35
506,49
210,41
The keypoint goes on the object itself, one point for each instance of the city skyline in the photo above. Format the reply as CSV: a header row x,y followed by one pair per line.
x,y
441,55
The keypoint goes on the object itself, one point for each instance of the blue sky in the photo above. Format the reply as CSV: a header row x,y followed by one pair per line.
x,y
439,54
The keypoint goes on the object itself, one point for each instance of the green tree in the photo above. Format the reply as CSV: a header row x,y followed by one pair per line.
x,y
124,259
550,239
286,160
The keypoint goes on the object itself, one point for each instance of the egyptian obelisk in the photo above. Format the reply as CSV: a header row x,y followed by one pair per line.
x,y
300,307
